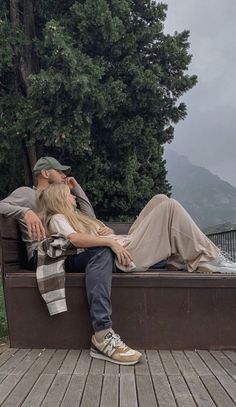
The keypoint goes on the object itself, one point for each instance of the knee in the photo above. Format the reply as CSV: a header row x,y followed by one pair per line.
x,y
101,263
105,254
159,198
176,205
162,196
174,201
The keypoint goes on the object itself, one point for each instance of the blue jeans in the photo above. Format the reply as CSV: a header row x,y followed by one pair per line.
x,y
97,263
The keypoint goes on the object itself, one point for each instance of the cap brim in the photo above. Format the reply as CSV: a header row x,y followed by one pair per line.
x,y
65,169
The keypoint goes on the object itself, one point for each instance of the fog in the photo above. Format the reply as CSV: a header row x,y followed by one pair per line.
x,y
208,135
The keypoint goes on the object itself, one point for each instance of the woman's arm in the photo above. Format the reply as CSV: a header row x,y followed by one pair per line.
x,y
85,240
59,224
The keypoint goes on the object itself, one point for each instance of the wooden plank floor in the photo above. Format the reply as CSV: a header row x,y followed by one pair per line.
x,y
69,378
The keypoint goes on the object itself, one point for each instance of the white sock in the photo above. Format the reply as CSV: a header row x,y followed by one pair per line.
x,y
99,335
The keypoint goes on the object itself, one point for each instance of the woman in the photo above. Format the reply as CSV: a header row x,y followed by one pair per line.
x,y
163,230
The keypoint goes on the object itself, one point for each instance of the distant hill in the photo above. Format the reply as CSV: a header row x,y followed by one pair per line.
x,y
209,200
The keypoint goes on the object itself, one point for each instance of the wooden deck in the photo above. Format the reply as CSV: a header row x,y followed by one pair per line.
x,y
67,378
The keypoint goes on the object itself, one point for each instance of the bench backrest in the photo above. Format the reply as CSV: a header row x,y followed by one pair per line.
x,y
13,251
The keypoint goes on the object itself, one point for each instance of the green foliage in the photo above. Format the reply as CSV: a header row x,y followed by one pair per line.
x,y
104,97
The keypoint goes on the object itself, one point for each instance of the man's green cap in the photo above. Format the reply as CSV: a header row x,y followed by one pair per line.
x,y
50,163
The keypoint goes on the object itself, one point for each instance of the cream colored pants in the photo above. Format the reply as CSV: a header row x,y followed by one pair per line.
x,y
164,230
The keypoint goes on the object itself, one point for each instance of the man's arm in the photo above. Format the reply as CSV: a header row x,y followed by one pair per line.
x,y
82,199
21,205
17,203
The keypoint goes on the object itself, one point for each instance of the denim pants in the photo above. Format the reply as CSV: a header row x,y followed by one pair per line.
x,y
97,263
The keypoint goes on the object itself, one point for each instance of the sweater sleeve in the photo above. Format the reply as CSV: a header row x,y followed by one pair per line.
x,y
18,203
83,201
59,224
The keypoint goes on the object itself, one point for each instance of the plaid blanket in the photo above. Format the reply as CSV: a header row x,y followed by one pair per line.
x,y
50,272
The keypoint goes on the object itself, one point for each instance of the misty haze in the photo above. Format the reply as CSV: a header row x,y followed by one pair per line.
x,y
207,135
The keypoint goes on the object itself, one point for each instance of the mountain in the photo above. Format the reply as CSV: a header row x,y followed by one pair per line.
x,y
209,200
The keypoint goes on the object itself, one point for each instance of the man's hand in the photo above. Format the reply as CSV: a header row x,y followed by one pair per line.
x,y
105,231
71,182
34,225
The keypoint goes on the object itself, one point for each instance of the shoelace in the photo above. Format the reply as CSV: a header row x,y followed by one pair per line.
x,y
224,256
116,341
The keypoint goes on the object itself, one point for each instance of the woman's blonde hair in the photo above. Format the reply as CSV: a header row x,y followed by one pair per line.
x,y
54,200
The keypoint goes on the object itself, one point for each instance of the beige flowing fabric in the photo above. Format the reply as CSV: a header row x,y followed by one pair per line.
x,y
164,230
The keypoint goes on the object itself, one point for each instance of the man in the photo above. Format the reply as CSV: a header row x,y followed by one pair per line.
x,y
96,262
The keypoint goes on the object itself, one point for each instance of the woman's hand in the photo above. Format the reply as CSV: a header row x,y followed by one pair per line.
x,y
105,231
124,257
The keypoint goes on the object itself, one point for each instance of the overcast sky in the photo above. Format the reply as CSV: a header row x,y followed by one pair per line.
x,y
208,135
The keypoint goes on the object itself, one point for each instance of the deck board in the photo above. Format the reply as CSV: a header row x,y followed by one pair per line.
x,y
83,363
225,362
128,393
217,392
212,363
199,392
13,362
197,363
56,361
183,364
142,367
57,390
92,391
38,392
154,361
165,378
110,391
29,371
145,391
69,362
73,394
169,363
229,386
163,391
111,369
7,355
181,392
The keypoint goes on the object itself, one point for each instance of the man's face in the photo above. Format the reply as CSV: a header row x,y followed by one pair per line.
x,y
56,177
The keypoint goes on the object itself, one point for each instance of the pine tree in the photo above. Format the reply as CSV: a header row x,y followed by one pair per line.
x,y
102,93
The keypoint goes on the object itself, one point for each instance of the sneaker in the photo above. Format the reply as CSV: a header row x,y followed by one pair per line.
x,y
114,350
220,265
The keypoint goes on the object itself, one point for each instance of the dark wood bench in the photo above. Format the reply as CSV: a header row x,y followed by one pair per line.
x,y
158,309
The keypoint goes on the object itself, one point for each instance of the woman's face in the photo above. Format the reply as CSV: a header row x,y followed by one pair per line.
x,y
72,199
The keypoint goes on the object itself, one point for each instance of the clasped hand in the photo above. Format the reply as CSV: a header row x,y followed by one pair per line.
x,y
105,231
123,255
34,225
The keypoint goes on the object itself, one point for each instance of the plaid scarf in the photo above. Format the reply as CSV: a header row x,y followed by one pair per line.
x,y
50,272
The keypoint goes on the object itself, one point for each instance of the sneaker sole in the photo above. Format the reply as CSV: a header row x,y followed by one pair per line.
x,y
207,270
101,356
204,270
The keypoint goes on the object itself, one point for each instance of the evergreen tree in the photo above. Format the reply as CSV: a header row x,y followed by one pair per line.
x,y
95,83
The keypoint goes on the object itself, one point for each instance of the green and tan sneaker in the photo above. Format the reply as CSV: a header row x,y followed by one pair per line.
x,y
114,350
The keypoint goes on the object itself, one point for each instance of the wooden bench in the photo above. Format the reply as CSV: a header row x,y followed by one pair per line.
x,y
158,309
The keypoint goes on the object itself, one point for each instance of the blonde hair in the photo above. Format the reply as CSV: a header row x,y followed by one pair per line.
x,y
54,200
